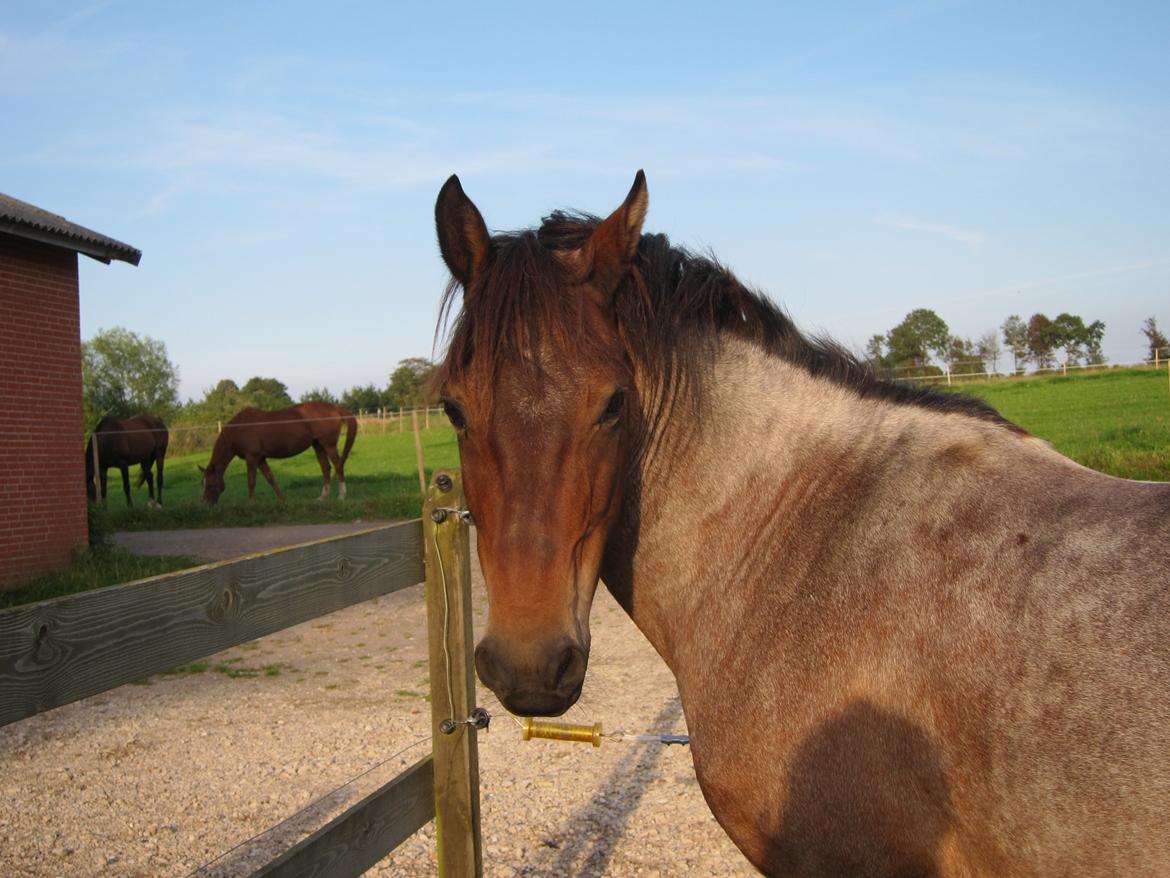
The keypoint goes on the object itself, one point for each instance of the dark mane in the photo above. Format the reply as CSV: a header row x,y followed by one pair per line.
x,y
675,304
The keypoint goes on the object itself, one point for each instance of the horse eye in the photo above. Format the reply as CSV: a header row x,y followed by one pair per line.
x,y
454,414
613,408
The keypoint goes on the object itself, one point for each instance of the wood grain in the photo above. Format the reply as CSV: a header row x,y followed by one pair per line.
x,y
457,819
354,841
58,651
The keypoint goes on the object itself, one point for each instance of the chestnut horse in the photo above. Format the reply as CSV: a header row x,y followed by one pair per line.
x,y
123,443
909,638
256,435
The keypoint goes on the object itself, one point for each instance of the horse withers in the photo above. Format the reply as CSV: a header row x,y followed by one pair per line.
x,y
258,434
909,638
122,443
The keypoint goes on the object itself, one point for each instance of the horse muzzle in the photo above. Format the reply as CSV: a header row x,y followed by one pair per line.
x,y
545,681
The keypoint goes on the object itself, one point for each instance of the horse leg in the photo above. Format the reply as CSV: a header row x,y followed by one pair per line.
x,y
148,477
340,467
251,479
159,463
323,460
271,478
126,483
105,481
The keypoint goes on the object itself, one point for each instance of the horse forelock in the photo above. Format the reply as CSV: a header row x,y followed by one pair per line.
x,y
669,313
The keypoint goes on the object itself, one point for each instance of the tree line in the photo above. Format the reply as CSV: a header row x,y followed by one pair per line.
x,y
922,341
124,374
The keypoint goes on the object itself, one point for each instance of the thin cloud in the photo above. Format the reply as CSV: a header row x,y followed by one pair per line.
x,y
955,233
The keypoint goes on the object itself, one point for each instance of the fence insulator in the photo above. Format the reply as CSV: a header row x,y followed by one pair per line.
x,y
535,728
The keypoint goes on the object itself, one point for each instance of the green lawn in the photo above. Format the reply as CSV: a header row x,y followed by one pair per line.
x,y
1116,421
381,477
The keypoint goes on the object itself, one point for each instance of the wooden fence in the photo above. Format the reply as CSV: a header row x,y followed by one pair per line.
x,y
59,651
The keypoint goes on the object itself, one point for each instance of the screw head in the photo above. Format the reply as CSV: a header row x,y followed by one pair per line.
x,y
444,483
438,516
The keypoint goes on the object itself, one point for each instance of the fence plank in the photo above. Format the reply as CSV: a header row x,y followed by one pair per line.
x,y
354,841
61,650
449,633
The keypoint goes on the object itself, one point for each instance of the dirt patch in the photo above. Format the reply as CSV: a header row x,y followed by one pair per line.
x,y
161,778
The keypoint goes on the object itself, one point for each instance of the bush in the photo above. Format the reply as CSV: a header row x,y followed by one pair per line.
x,y
101,528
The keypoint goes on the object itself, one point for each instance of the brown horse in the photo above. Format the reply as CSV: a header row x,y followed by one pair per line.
x,y
142,440
909,638
256,435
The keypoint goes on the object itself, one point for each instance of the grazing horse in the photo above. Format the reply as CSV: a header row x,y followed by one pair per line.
x,y
256,435
142,440
910,638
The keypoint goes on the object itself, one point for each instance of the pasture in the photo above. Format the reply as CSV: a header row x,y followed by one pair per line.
x,y
1116,421
381,475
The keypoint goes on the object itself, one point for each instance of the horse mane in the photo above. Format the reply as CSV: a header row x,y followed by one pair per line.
x,y
674,304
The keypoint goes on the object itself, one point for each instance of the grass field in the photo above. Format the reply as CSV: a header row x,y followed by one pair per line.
x,y
381,478
1116,421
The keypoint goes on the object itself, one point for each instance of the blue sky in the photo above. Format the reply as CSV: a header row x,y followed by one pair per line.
x,y
277,163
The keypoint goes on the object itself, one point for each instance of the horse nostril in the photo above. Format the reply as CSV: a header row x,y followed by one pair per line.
x,y
486,666
571,668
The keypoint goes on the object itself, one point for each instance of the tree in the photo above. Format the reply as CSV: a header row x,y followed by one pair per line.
x,y
319,394
1042,341
1159,346
988,350
1015,336
123,374
919,335
266,393
366,398
963,357
409,383
1094,333
1069,332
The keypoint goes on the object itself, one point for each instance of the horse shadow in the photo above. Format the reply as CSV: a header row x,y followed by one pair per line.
x,y
866,796
588,853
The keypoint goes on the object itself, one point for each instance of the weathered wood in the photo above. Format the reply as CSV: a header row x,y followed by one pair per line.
x,y
418,454
448,566
61,650
354,841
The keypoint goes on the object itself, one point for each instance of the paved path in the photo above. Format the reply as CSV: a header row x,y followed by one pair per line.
x,y
222,543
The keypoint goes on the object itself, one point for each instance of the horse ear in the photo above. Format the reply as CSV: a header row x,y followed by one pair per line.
x,y
463,236
610,250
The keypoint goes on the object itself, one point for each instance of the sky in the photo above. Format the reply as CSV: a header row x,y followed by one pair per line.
x,y
277,163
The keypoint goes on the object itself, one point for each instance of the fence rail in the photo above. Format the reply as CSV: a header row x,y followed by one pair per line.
x,y
59,651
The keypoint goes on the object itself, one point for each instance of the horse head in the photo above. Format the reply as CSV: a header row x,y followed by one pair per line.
x,y
540,391
212,483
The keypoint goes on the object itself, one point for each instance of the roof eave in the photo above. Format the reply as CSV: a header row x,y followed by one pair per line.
x,y
89,248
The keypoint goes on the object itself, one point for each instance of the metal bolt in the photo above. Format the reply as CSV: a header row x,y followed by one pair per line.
x,y
447,726
444,483
438,516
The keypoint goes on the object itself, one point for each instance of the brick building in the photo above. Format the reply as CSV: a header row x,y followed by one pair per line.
x,y
42,430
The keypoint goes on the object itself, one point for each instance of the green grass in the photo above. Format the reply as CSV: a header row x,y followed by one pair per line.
x,y
381,477
93,570
1116,421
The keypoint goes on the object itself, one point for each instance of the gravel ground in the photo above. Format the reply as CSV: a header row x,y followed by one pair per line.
x,y
164,777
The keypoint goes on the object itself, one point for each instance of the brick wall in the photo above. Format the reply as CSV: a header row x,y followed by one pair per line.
x,y
42,481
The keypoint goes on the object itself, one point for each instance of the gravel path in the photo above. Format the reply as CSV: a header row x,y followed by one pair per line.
x,y
157,779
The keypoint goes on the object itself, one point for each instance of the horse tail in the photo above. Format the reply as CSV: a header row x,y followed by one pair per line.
x,y
350,434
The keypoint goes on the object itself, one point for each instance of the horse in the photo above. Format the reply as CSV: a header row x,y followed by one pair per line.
x,y
910,638
258,434
142,439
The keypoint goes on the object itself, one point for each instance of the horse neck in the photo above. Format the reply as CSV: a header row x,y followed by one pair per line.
x,y
222,452
767,477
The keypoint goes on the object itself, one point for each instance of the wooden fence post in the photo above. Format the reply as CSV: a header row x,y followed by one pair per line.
x,y
97,482
449,633
401,422
418,455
